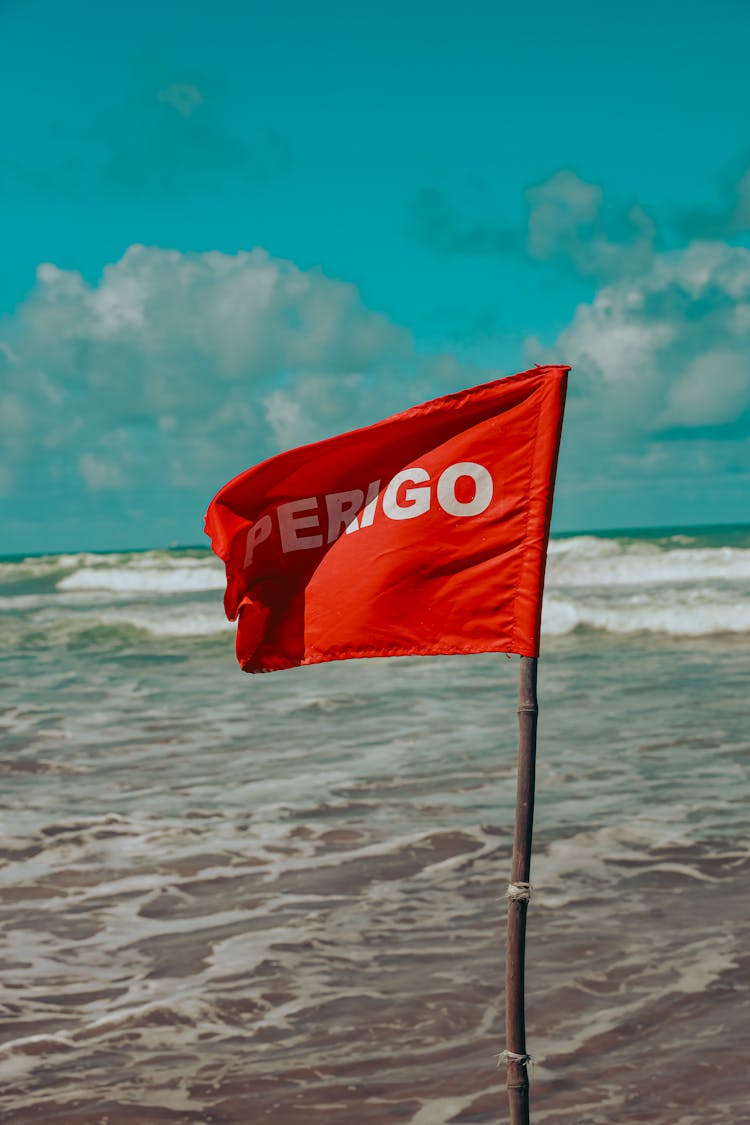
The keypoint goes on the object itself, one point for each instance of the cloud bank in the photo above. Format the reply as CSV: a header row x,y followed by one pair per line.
x,y
660,392
669,350
174,371
183,368
661,353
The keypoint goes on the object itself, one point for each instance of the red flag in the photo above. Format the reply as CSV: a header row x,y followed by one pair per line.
x,y
424,533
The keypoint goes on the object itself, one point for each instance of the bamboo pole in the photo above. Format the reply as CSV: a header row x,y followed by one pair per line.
x,y
515,1017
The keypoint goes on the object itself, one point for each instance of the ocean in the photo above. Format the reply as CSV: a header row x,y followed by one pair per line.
x,y
281,899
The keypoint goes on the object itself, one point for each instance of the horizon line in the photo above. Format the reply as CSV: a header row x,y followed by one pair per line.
x,y
656,531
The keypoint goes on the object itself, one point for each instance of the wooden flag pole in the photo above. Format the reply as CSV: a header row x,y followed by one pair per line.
x,y
518,896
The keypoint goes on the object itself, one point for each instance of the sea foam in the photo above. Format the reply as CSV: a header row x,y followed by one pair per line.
x,y
681,585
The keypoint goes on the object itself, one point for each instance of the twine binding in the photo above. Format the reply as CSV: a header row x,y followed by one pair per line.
x,y
519,892
507,1056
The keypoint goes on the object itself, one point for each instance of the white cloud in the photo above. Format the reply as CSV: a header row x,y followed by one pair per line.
x,y
186,368
660,388
285,417
176,371
313,405
570,222
100,474
182,96
713,389
731,218
669,348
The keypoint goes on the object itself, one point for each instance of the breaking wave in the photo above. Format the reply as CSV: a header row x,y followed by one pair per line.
x,y
677,613
680,585
150,579
589,561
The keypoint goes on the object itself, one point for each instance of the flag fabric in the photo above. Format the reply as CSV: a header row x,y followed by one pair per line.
x,y
424,533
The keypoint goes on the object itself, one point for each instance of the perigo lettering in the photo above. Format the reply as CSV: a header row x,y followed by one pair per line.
x,y
462,490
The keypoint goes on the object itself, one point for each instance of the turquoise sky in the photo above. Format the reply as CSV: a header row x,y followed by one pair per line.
x,y
232,228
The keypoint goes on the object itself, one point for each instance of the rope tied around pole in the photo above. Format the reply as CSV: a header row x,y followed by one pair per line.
x,y
507,1056
519,892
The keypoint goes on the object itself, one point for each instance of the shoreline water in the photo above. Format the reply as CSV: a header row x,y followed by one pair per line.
x,y
238,899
